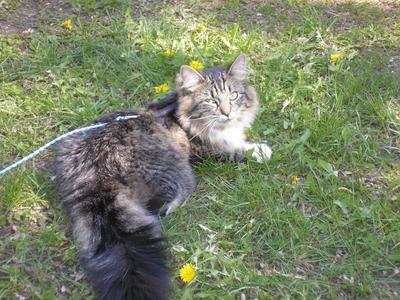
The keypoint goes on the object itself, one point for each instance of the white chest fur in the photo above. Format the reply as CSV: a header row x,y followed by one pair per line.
x,y
232,139
229,139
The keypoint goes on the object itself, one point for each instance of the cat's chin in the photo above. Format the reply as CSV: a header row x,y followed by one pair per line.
x,y
224,120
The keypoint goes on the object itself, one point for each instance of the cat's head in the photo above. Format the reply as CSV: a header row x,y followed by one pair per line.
x,y
216,98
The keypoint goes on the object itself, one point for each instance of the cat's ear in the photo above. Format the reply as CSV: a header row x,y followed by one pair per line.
x,y
238,68
189,78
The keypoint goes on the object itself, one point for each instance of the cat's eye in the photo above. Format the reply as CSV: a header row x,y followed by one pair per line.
x,y
233,96
210,101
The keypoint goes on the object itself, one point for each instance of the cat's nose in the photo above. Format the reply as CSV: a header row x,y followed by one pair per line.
x,y
225,109
225,113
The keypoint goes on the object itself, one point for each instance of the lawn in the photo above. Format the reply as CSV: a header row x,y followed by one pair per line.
x,y
320,220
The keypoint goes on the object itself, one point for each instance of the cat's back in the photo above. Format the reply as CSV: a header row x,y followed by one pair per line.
x,y
122,148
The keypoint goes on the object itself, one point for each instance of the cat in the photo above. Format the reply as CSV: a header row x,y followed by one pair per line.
x,y
215,107
115,180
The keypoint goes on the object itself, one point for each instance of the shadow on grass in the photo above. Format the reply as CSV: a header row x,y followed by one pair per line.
x,y
273,15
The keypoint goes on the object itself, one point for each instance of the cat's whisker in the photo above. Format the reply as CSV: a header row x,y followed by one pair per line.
x,y
207,126
202,130
201,118
212,126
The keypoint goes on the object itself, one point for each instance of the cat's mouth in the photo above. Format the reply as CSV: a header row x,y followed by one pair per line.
x,y
225,119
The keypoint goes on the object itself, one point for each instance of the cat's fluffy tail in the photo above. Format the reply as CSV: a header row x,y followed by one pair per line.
x,y
131,264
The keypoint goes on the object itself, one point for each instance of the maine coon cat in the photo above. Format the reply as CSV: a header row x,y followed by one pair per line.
x,y
115,180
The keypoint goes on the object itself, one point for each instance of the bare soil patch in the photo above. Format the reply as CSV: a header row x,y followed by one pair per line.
x,y
30,15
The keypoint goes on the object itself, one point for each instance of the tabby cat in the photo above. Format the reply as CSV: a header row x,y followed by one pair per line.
x,y
115,180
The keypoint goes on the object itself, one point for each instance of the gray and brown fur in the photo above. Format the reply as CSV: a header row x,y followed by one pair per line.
x,y
215,107
115,179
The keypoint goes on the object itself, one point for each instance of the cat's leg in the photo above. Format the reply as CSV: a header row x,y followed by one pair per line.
x,y
172,191
229,150
186,186
171,206
261,151
164,204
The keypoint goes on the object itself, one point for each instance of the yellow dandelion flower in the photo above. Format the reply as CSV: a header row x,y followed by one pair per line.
x,y
169,53
162,88
187,273
336,57
200,27
68,24
248,135
195,64
294,180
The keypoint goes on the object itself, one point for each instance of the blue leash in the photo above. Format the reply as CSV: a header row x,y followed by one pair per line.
x,y
44,147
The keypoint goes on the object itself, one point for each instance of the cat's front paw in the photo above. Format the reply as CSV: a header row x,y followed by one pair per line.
x,y
261,152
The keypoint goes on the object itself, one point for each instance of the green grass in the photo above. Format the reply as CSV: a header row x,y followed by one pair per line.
x,y
248,230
